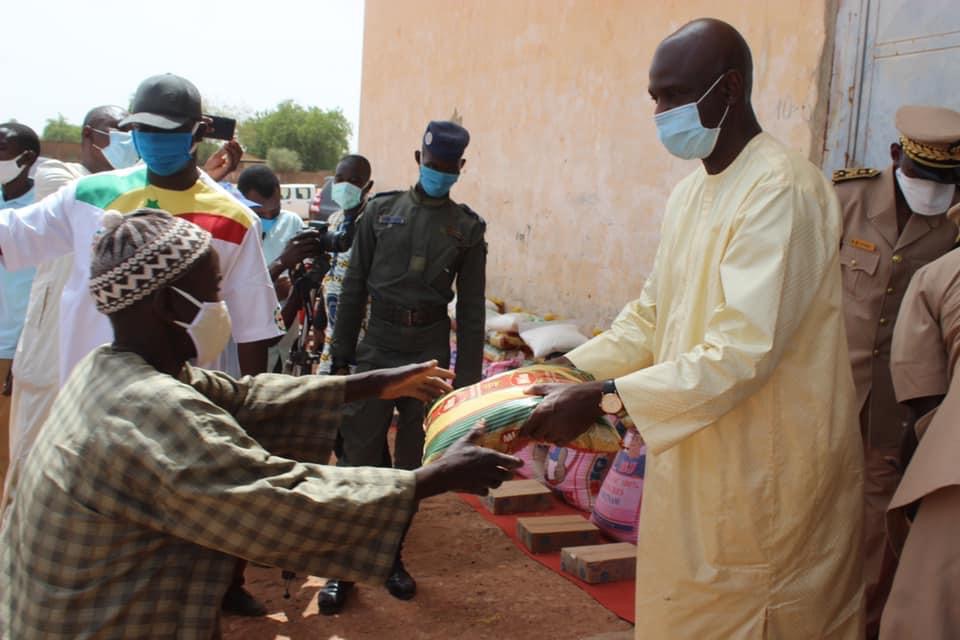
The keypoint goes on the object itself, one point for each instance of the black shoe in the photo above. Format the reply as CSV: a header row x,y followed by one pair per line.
x,y
333,596
401,584
238,601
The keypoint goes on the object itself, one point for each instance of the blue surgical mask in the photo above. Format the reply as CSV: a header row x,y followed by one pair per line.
x,y
683,134
436,184
346,195
165,153
120,152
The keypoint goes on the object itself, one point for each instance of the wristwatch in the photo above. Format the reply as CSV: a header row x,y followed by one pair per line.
x,y
610,402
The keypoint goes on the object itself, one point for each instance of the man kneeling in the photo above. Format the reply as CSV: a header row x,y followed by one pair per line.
x,y
150,474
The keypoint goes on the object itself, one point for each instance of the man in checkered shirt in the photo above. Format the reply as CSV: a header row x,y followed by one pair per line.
x,y
124,523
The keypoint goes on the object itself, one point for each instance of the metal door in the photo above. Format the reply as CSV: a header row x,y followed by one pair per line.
x,y
888,53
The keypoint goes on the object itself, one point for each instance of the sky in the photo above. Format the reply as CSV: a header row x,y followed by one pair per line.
x,y
65,56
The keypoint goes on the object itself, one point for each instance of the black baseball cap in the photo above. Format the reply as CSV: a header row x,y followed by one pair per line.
x,y
166,101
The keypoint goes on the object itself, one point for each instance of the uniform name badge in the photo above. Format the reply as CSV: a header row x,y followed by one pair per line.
x,y
390,219
863,244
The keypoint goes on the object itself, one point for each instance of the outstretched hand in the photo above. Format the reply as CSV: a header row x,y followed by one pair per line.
x,y
425,382
224,160
466,467
566,411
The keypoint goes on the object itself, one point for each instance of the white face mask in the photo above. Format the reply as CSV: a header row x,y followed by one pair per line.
x,y
925,197
210,329
9,169
119,152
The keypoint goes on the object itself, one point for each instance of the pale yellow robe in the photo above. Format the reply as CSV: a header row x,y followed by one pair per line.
x,y
733,363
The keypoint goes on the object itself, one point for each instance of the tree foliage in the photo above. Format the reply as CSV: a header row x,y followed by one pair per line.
x,y
318,136
59,130
283,160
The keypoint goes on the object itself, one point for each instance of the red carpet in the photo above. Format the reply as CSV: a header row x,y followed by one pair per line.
x,y
617,597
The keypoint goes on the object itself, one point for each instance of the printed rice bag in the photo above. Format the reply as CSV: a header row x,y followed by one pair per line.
x,y
494,354
575,476
617,508
527,453
505,341
491,369
501,401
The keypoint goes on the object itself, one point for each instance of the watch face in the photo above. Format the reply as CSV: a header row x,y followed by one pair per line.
x,y
611,404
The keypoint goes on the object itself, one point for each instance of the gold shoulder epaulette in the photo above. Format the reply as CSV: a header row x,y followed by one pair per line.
x,y
842,175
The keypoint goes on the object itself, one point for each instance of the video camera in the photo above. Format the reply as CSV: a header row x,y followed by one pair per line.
x,y
309,273
307,278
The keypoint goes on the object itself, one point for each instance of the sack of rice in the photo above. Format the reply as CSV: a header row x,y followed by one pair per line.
x,y
505,341
575,476
617,508
547,338
501,402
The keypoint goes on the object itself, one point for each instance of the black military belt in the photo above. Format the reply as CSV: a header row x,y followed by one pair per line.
x,y
407,317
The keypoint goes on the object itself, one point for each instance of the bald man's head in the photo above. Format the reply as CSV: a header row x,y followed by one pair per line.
x,y
105,117
715,47
705,63
692,58
95,136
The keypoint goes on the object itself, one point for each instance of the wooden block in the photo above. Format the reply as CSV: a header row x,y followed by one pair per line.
x,y
601,562
518,496
545,534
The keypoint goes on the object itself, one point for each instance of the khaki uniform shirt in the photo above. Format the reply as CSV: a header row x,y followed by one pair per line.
x,y
926,340
127,514
926,348
877,266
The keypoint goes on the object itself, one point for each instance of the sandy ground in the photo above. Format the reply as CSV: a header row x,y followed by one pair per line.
x,y
473,584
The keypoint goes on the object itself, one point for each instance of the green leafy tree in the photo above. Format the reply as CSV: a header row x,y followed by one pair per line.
x,y
59,130
318,136
283,160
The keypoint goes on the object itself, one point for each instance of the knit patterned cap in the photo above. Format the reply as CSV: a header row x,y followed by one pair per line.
x,y
139,253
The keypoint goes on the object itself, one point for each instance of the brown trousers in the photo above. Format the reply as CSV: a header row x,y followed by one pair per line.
x,y
880,480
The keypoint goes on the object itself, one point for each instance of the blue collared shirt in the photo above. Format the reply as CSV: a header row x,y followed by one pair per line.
x,y
14,291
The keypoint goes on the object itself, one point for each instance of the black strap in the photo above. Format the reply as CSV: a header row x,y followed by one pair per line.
x,y
407,317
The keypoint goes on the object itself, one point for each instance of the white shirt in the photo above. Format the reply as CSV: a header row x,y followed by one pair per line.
x,y
68,221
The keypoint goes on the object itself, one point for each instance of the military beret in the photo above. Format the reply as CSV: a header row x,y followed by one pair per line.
x,y
446,140
930,135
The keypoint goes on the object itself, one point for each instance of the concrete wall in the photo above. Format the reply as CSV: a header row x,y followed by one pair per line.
x,y
564,162
63,151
